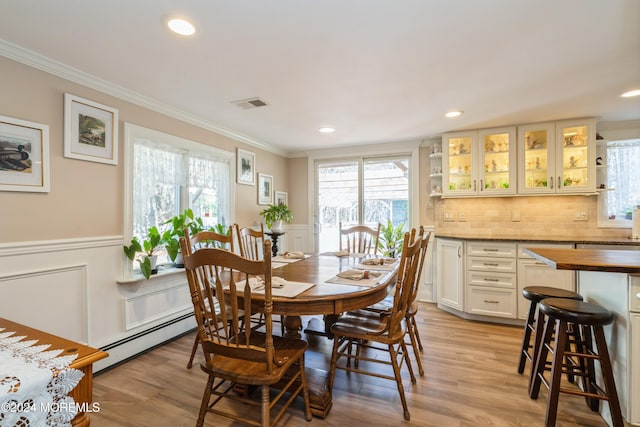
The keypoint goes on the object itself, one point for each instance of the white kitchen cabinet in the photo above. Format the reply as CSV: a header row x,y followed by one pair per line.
x,y
480,163
491,279
450,273
535,273
557,157
435,176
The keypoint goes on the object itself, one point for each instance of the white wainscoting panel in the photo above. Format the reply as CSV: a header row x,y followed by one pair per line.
x,y
148,308
52,299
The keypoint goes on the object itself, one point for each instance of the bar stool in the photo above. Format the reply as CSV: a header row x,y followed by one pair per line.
x,y
535,294
587,321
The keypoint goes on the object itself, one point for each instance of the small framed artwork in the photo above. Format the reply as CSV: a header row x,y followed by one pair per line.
x,y
265,189
245,169
90,130
281,198
24,155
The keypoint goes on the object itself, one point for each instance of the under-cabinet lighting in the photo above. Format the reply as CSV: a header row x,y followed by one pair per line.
x,y
452,114
181,26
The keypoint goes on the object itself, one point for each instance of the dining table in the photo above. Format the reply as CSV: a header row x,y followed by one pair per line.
x,y
328,297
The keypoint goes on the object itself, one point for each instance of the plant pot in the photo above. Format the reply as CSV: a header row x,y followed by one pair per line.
x,y
277,227
179,261
153,259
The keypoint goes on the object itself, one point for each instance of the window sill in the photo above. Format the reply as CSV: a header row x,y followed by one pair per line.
x,y
162,272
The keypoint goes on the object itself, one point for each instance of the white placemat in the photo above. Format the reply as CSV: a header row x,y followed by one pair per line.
x,y
283,258
279,288
376,267
344,253
276,264
369,282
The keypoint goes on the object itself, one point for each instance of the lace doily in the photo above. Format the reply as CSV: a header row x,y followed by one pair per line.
x,y
34,383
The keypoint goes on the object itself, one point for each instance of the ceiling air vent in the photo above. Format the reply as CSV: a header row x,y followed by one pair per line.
x,y
247,104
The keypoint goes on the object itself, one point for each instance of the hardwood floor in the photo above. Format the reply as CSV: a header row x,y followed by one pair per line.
x,y
470,380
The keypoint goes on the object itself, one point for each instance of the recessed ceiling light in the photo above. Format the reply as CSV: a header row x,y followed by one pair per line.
x,y
631,93
181,26
454,113
326,130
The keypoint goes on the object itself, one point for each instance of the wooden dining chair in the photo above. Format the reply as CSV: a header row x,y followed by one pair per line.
x,y
359,239
201,240
251,242
384,332
386,305
235,356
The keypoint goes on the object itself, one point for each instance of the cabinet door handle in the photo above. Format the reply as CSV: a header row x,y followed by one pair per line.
x,y
474,185
491,264
540,263
481,185
490,301
490,249
551,183
459,255
559,186
488,279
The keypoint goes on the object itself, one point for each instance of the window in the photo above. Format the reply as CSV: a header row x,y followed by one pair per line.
x,y
623,181
363,191
167,175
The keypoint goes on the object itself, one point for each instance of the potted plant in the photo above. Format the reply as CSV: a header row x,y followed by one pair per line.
x,y
149,260
390,240
275,215
172,235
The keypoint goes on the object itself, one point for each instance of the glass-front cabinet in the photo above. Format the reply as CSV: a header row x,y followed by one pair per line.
x,y
479,162
576,151
557,157
497,161
459,160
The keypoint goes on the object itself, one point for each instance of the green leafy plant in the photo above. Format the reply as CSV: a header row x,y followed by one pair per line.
x,y
148,248
275,213
177,224
391,238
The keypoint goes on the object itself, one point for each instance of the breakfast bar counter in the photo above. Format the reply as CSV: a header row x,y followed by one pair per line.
x,y
610,278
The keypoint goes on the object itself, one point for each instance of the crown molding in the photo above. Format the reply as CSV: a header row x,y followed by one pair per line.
x,y
48,65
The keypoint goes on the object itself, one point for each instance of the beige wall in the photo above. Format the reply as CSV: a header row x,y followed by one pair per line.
x,y
298,180
86,198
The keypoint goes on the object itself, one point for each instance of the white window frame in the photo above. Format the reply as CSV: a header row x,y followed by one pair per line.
x,y
133,132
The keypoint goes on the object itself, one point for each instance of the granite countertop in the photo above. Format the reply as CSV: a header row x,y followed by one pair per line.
x,y
615,261
543,239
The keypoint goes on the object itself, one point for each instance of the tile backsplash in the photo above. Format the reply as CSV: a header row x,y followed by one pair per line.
x,y
523,217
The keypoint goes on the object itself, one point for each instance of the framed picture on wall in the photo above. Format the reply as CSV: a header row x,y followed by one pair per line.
x,y
265,189
281,198
246,167
90,130
24,155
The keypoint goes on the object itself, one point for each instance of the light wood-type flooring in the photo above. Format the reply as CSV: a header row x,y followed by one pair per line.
x,y
470,380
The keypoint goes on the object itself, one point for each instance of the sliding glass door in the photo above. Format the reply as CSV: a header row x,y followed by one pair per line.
x,y
359,191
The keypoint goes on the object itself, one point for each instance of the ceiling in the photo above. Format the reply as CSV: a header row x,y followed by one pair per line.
x,y
376,70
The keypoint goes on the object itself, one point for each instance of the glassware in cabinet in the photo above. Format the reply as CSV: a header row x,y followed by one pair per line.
x,y
498,160
576,146
536,158
459,163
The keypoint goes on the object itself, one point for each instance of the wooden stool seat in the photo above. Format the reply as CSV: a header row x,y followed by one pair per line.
x,y
535,294
584,321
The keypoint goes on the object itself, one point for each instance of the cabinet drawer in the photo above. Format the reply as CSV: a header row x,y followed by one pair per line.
x,y
503,265
491,301
499,280
502,250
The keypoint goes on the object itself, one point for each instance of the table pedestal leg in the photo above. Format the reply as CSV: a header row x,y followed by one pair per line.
x,y
320,398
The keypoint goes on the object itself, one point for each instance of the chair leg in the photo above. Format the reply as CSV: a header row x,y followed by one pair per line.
x,y
556,373
609,382
196,341
334,360
527,338
305,391
588,367
205,401
416,332
413,332
540,357
396,372
264,407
